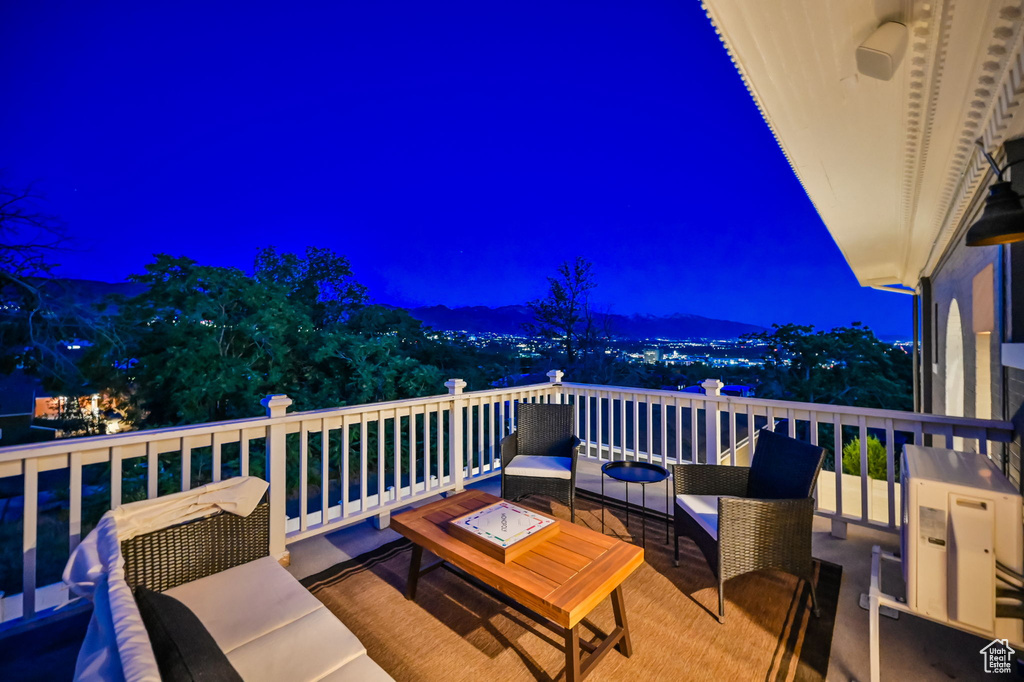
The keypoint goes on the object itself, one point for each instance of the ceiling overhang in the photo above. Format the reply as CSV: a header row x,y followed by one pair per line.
x,y
890,166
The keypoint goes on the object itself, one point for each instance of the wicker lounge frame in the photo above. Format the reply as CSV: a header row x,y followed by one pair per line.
x,y
545,430
188,551
753,534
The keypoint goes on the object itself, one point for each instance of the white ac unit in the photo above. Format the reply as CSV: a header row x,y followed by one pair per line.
x,y
960,517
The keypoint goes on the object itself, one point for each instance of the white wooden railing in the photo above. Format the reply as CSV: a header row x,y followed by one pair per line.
x,y
382,456
413,455
668,427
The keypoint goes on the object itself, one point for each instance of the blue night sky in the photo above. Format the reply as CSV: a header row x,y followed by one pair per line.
x,y
456,153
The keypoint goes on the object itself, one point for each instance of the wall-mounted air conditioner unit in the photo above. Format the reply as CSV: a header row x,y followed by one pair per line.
x,y
962,529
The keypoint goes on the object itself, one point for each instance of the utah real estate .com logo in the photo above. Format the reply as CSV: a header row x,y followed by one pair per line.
x,y
998,656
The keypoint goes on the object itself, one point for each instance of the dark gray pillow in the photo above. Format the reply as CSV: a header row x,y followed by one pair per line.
x,y
185,650
783,468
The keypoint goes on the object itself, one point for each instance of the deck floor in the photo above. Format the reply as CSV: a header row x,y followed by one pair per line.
x,y
912,648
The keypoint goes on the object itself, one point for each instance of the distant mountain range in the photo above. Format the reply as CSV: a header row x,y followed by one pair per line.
x,y
507,319
510,319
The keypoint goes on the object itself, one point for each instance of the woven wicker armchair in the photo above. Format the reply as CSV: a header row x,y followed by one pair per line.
x,y
189,551
539,458
746,519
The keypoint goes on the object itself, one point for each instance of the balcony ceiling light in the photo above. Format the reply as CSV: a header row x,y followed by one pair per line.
x,y
1002,222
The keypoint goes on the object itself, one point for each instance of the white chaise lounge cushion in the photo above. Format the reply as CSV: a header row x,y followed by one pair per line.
x,y
311,648
268,624
540,466
362,669
703,509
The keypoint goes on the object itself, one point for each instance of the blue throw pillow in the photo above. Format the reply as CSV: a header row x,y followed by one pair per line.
x,y
783,468
185,650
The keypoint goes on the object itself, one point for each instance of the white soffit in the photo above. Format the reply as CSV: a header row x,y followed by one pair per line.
x,y
889,165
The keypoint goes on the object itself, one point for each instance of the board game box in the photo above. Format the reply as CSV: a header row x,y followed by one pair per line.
x,y
503,530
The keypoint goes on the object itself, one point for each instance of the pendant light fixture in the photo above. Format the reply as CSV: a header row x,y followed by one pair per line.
x,y
1002,221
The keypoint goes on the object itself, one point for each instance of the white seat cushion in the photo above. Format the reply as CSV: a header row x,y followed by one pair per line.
x,y
703,509
310,648
258,610
361,669
245,602
540,466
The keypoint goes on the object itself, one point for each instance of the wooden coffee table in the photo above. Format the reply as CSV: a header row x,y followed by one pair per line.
x,y
557,583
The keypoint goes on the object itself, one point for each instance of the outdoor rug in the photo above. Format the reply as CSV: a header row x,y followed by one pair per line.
x,y
453,631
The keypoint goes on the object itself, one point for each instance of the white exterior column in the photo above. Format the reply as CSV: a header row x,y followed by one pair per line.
x,y
277,406
456,453
712,423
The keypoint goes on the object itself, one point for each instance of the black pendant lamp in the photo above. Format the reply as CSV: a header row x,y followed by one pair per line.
x,y
1002,221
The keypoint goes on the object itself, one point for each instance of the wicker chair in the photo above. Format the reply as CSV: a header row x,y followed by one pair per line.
x,y
747,519
189,551
539,458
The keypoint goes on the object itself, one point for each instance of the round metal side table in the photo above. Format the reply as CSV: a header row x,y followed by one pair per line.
x,y
642,473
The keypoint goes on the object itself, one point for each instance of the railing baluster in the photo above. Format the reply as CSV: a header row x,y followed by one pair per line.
x,y
862,426
363,468
837,449
600,426
649,431
412,451
243,453
694,434
751,433
215,460
732,434
74,500
492,449
636,427
813,426
186,466
480,445
381,462
303,476
791,423
890,471
29,517
152,470
663,411
397,438
325,473
590,421
439,436
679,430
344,465
622,426
115,477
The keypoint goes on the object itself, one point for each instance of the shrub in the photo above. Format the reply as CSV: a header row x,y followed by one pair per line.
x,y
876,458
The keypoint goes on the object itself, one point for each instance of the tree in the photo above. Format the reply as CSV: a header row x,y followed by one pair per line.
x,y
322,282
844,366
203,343
39,317
565,315
207,343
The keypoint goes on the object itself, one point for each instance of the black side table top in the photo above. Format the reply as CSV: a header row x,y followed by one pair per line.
x,y
635,472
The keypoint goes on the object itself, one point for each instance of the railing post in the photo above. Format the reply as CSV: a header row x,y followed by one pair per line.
x,y
555,379
277,406
712,423
456,453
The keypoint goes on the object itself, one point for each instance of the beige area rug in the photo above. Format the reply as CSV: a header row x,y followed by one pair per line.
x,y
453,631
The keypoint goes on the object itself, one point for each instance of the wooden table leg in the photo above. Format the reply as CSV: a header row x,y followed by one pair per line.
x,y
414,572
572,655
624,646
